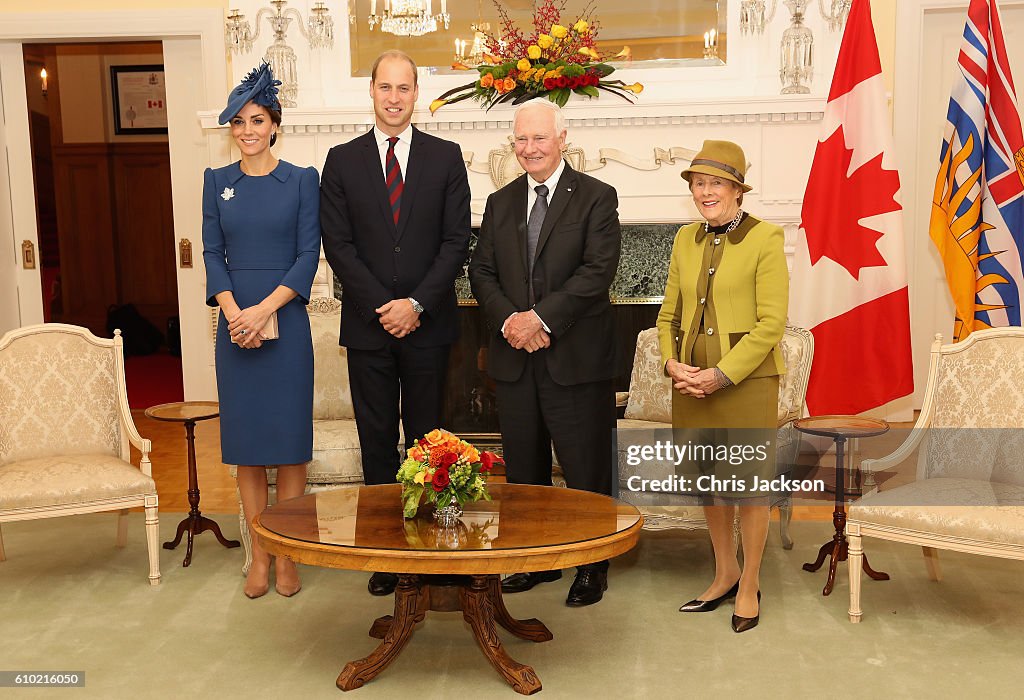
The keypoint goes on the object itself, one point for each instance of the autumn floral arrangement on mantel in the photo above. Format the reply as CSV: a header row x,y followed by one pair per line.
x,y
555,61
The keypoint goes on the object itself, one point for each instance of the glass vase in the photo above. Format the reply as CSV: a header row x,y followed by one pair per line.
x,y
448,516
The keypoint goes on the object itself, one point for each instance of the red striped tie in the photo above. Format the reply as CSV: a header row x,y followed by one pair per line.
x,y
393,178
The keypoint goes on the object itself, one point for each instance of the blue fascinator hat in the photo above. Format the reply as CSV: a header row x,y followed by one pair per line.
x,y
259,87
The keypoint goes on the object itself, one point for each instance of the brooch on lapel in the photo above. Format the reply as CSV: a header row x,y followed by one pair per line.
x,y
227,194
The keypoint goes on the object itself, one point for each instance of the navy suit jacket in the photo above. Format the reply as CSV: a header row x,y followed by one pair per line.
x,y
378,261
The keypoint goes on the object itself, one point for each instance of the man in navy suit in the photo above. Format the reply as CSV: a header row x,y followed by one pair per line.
x,y
394,215
547,255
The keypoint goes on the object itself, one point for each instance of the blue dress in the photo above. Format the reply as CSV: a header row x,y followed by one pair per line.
x,y
258,233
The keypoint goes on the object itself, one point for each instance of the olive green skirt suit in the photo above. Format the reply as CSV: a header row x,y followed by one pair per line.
x,y
725,306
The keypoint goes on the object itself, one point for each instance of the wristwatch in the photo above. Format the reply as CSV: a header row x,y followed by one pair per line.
x,y
416,306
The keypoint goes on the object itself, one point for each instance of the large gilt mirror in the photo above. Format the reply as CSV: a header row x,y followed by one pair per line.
x,y
657,32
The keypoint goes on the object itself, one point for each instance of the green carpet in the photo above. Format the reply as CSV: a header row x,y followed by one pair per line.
x,y
71,601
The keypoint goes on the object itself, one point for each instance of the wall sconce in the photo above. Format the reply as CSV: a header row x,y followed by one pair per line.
x,y
475,55
711,44
42,80
318,30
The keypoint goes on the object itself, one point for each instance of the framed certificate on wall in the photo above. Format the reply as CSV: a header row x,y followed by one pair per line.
x,y
140,99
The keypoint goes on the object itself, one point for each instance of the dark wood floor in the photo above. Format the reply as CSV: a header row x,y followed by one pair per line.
x,y
170,465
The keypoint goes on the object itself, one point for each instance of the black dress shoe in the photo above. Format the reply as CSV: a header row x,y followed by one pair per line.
x,y
742,624
588,588
517,583
382,584
698,605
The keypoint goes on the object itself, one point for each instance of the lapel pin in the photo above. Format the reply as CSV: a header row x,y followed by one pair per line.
x,y
227,194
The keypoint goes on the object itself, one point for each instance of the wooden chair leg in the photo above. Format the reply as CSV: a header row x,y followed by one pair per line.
x,y
246,538
3,557
153,539
122,527
855,564
785,517
931,562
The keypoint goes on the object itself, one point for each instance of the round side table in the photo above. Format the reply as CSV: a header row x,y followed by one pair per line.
x,y
840,429
189,413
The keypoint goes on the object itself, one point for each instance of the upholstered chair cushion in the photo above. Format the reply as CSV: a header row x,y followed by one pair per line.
x,y
69,479
965,509
331,396
635,424
650,391
57,394
337,458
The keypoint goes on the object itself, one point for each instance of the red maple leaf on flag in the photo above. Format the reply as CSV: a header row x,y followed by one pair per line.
x,y
835,203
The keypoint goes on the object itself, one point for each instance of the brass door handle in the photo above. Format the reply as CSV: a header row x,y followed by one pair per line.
x,y
28,255
185,252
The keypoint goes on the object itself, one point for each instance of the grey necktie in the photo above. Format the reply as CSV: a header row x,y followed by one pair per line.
x,y
533,226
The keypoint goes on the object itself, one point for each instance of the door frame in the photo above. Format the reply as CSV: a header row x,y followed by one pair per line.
x,y
190,149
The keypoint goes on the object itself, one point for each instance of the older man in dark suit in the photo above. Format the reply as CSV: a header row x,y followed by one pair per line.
x,y
394,214
547,255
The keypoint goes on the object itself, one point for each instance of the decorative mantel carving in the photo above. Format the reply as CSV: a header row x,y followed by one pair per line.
x,y
502,167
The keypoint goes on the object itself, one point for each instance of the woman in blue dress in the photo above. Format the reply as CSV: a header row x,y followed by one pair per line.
x,y
261,247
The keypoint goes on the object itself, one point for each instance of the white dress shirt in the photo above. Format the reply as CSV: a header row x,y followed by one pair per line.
x,y
550,183
531,199
402,147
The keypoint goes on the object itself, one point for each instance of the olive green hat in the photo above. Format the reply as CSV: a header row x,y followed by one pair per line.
x,y
722,159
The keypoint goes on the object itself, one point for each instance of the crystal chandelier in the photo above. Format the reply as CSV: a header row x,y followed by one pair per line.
x,y
480,30
796,60
318,30
408,17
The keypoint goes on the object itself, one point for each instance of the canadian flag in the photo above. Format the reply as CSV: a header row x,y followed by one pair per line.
x,y
849,270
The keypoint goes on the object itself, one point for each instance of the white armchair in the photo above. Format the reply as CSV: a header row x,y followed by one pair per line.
x,y
969,492
65,430
649,407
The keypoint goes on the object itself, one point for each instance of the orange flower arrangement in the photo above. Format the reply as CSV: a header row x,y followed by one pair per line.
x,y
555,61
444,469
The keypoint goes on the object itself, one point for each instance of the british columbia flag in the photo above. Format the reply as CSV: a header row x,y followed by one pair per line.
x,y
977,217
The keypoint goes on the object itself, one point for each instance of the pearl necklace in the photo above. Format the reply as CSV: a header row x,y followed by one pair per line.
x,y
732,224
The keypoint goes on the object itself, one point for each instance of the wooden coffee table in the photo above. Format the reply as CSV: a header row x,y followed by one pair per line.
x,y
524,528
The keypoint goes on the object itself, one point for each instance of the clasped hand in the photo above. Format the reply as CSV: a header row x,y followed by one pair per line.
x,y
692,381
398,317
245,326
524,331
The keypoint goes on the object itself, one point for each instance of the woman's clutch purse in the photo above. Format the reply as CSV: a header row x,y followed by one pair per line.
x,y
269,331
